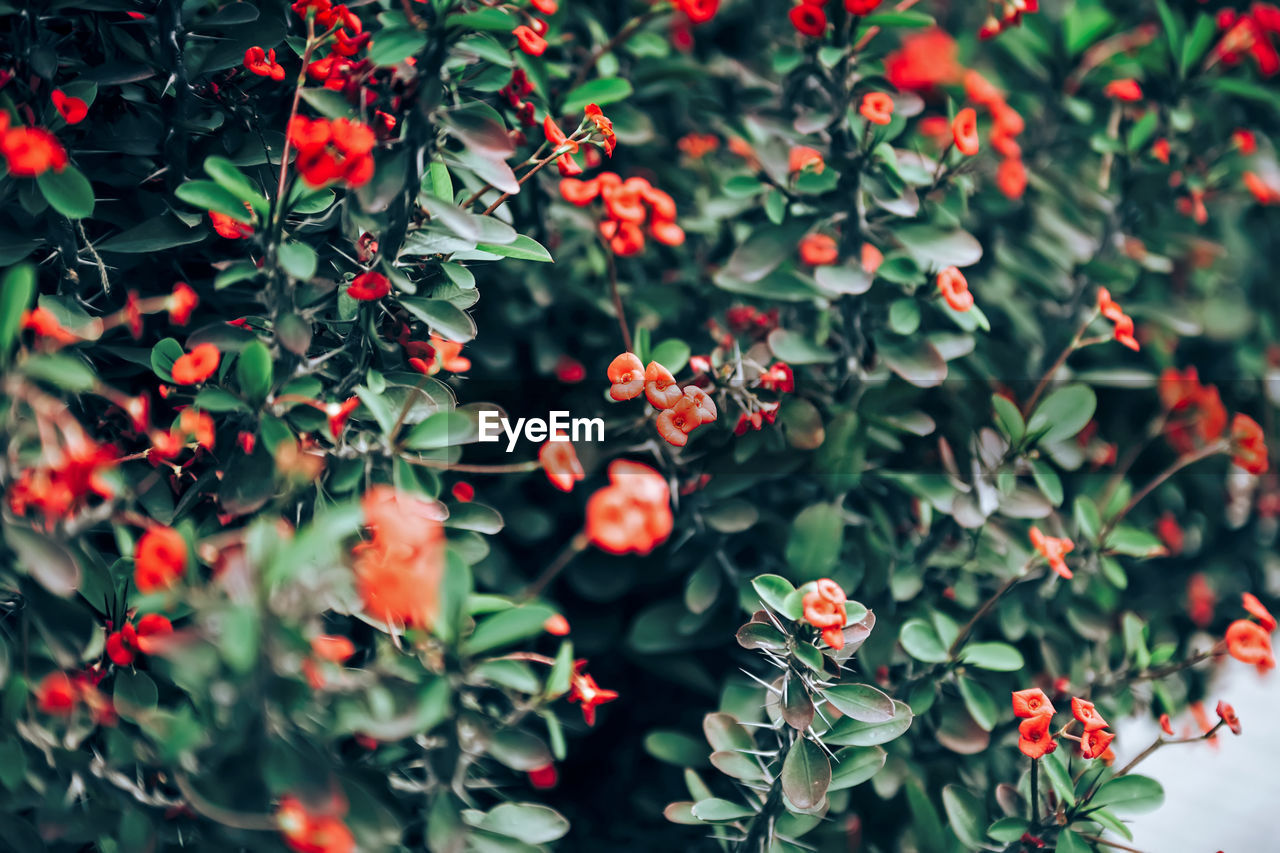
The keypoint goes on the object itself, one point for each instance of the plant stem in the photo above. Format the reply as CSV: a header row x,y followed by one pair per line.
x,y
576,544
236,820
1159,742
1035,791
617,297
986,608
628,30
1182,462
1030,405
460,468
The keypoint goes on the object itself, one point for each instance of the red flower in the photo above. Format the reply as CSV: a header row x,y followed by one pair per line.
x,y
544,778
72,110
529,41
964,128
30,151
1054,550
824,609
1087,714
332,648
1249,643
150,633
872,258
159,560
861,7
560,461
1031,703
1244,141
877,108
1200,600
1170,533
779,378
1228,715
809,19
702,402
1123,322
1034,738
955,289
667,233
337,150
306,832
1094,744
626,373
1160,150
603,126
56,695
339,413
675,423
556,625
369,286
398,570
197,365
555,136
1123,90
926,60
228,227
580,193
1258,611
698,11
1262,192
802,157
584,690
263,63
625,238
1165,725
182,302
660,387
1249,445
1011,177
546,7
980,90
818,250
633,513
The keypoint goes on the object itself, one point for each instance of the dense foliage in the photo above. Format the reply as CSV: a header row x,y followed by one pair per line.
x,y
937,359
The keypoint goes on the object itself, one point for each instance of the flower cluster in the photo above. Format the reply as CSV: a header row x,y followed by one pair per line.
x,y
1250,642
308,831
1111,309
145,638
681,411
1036,737
1054,550
398,569
332,150
824,610
1007,125
628,207
633,513
1005,14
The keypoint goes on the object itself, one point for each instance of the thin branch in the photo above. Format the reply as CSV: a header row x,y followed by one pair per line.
x,y
617,298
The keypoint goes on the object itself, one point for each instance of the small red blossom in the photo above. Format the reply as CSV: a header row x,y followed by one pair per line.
x,y
877,108
1258,611
1228,716
30,151
1094,744
263,63
824,609
556,625
1087,714
698,11
808,19
196,366
818,250
529,41
955,289
369,286
626,375
1249,445
802,157
633,513
1054,550
584,691
1123,90
1031,702
1250,643
160,559
463,492
182,302
1034,738
964,129
72,110
660,387
56,695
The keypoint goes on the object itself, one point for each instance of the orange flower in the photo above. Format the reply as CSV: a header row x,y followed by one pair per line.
x,y
1250,643
584,690
146,638
660,386
332,150
964,128
398,571
802,157
263,63
780,378
159,560
72,110
1200,600
182,302
980,90
626,373
1011,177
56,695
196,366
448,356
1094,744
1031,703
555,136
1034,738
667,233
529,41
1166,725
580,193
1262,192
824,609
877,108
560,462
369,286
955,289
46,325
818,250
546,7
1123,322
675,424
871,258
1160,150
633,513
1087,714
1228,715
1054,550
1123,90
1258,611
307,832
332,647
925,61
603,126
705,406
229,228
1249,445
556,625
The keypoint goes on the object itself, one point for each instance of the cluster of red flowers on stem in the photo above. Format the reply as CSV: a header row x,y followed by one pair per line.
x,y
1196,417
633,513
1250,642
530,36
332,150
681,411
1054,550
1111,309
1007,125
308,831
146,637
1036,737
824,610
398,569
628,206
1252,32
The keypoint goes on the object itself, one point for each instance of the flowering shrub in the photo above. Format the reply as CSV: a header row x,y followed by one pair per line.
x,y
934,340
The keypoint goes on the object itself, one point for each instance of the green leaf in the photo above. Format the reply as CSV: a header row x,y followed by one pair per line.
x,y
921,641
442,429
855,765
1008,418
716,809
998,657
298,260
966,814
602,91
851,732
978,702
1063,413
228,176
327,102
507,627
795,348
531,823
775,592
162,232
392,45
1130,795
1047,481
925,821
444,318
523,248
208,195
254,371
806,774
817,536
936,247
676,748
861,702
796,704
1070,842
519,750
1134,542
672,354
474,516
1087,518
134,693
163,355
1008,829
68,192
16,291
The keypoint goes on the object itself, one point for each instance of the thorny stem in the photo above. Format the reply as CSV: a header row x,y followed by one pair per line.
x,y
758,837
537,167
986,608
1056,366
577,544
1182,462
617,297
478,194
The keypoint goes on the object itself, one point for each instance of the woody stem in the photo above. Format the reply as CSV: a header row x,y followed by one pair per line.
x,y
537,167
460,468
576,544
1182,462
617,298
631,28
1030,405
985,609
1159,742
293,111
1035,790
